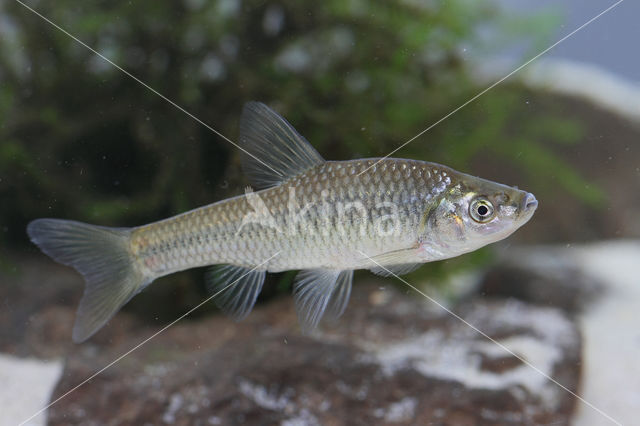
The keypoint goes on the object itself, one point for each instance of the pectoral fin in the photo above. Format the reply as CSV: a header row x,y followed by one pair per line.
x,y
391,270
277,150
320,290
398,262
238,287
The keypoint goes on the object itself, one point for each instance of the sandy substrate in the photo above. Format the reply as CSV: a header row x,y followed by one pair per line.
x,y
611,331
26,386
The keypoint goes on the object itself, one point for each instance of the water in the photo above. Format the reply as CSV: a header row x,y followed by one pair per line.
x,y
81,140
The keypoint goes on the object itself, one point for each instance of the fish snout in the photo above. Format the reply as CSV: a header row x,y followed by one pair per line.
x,y
529,202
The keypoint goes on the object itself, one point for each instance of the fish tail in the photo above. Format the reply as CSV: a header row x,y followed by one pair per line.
x,y
103,256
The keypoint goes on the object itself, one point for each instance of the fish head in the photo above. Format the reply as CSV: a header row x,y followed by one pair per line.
x,y
472,213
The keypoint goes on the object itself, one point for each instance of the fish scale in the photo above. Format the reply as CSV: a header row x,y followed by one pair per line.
x,y
209,235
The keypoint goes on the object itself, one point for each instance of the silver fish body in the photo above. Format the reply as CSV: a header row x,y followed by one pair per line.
x,y
326,218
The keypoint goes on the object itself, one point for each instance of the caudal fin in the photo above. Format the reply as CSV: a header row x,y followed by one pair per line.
x,y
102,256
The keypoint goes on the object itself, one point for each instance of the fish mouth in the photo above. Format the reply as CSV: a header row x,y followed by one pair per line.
x,y
529,202
528,206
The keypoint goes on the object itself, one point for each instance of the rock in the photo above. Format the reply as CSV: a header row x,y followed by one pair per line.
x,y
391,359
547,276
605,160
38,300
598,285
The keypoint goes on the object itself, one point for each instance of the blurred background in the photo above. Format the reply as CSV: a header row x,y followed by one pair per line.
x,y
81,140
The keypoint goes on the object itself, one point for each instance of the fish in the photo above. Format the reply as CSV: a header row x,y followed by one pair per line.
x,y
323,218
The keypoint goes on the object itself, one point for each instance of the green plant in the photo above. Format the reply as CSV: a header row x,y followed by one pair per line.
x,y
80,139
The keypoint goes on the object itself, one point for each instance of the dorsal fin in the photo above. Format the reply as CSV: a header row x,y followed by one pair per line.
x,y
277,150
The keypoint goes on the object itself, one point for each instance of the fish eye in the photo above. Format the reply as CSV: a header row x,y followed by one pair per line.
x,y
481,210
